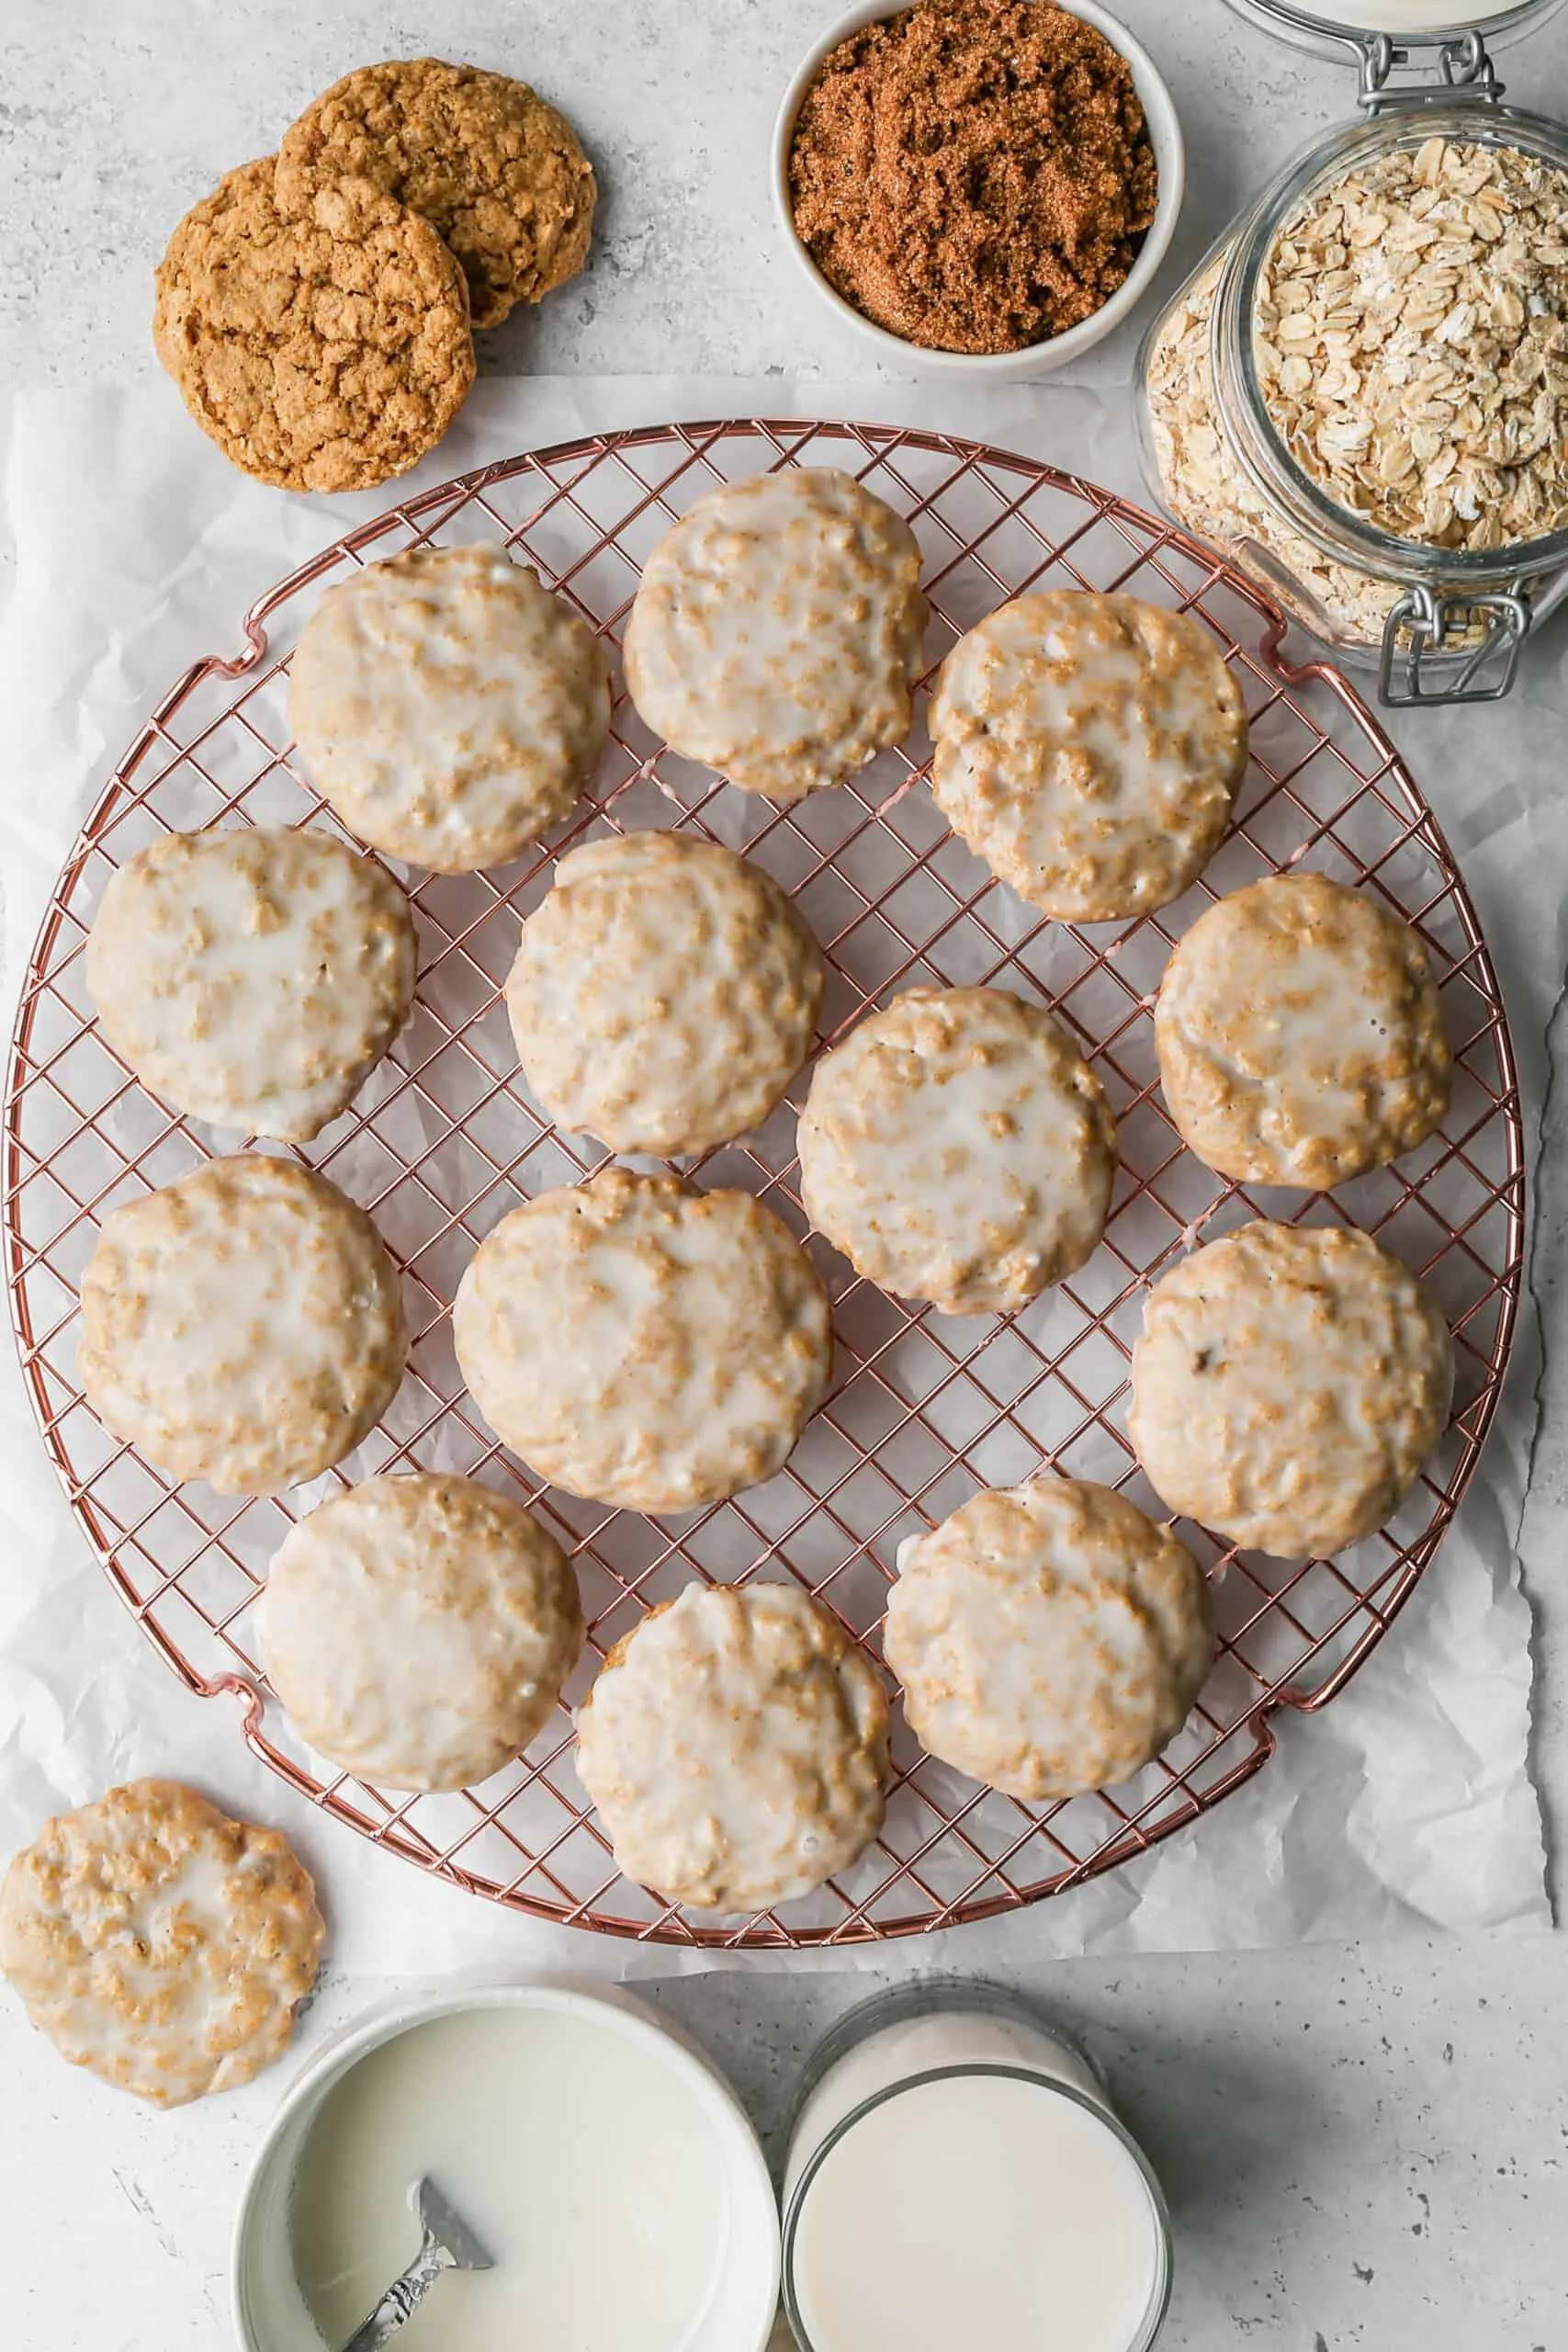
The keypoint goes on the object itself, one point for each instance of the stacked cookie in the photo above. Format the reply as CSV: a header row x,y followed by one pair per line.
x,y
317,310
652,1346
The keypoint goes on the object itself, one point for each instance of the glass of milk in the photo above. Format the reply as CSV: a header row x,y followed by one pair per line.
x,y
956,2175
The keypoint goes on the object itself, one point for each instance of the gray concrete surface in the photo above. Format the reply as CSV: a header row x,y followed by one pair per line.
x,y
1365,2148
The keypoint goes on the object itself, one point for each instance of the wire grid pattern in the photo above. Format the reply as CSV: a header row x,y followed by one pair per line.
x,y
924,1409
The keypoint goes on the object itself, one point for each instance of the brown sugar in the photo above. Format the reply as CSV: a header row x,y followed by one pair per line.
x,y
974,174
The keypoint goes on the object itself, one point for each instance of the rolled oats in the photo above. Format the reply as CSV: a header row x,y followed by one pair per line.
x,y
1411,337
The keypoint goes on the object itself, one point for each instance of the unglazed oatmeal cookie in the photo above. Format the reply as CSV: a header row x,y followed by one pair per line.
x,y
664,995
1088,748
419,1630
447,706
495,169
159,1944
242,1326
736,1747
325,352
1301,1034
776,632
1288,1386
1050,1638
958,1148
254,977
642,1343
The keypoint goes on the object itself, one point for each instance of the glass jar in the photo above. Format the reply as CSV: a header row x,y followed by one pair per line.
x,y
1439,623
956,2173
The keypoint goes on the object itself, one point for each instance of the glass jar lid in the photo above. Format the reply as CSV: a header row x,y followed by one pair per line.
x,y
1332,27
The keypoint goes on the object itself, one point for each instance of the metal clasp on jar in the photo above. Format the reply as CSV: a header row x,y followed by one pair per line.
x,y
1428,622
1464,64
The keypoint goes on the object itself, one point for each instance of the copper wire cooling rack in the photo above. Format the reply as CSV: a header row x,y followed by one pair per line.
x,y
924,1409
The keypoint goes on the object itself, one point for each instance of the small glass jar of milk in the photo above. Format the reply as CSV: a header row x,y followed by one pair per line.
x,y
956,2175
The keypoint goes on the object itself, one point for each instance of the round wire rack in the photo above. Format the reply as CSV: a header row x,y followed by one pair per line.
x,y
443,1140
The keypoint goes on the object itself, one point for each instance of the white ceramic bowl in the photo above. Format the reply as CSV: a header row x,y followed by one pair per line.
x,y
1037,358
270,2314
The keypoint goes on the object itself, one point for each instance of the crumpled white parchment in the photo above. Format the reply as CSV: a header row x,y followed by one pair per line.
x,y
1407,1803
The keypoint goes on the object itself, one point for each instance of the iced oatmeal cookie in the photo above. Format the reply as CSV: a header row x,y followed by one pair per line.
x,y
159,1944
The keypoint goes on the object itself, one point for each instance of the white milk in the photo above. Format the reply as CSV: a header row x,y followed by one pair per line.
x,y
587,2166
978,2207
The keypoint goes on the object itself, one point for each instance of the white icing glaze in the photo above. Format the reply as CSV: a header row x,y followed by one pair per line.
x,y
1088,748
736,1746
1301,1034
1288,1386
776,631
242,1326
448,705
664,995
419,1629
1050,1638
642,1343
958,1148
253,977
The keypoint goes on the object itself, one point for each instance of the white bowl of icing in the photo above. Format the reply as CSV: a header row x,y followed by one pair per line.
x,y
602,2160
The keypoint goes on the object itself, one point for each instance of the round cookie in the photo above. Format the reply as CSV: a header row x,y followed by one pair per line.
x,y
776,632
254,977
242,1326
957,1148
736,1747
1049,1637
644,1344
1088,748
664,995
497,172
325,352
159,1944
1301,1034
447,706
1289,1384
418,1629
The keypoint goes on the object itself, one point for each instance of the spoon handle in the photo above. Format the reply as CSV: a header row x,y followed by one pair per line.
x,y
402,2298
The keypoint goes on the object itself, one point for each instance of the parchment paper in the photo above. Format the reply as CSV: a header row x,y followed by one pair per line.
x,y
1407,1805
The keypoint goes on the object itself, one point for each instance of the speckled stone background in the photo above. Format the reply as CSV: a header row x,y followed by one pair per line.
x,y
1364,2148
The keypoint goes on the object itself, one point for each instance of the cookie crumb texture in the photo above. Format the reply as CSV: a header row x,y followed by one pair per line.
x,y
242,1326
494,170
1049,1637
736,1747
975,175
1287,1386
159,1944
328,351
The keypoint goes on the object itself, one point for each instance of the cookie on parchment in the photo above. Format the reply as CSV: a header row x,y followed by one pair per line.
x,y
664,995
419,1629
644,1344
958,1148
159,1944
1088,748
498,173
253,977
1050,1638
327,351
776,631
447,706
242,1326
735,1748
1301,1034
1287,1386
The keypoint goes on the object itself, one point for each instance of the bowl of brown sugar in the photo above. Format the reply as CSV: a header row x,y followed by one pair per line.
x,y
982,188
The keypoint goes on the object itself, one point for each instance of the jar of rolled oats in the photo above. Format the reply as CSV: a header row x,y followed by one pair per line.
x,y
1361,394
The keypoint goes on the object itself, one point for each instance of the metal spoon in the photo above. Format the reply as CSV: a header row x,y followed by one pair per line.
x,y
449,2245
